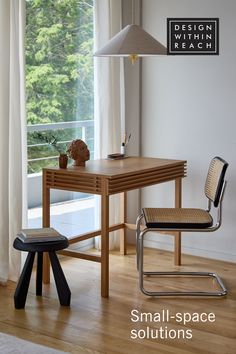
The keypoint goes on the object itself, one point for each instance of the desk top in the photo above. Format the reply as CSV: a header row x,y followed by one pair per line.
x,y
117,168
108,177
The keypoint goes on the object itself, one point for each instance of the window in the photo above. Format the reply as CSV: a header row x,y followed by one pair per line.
x,y
59,78
59,88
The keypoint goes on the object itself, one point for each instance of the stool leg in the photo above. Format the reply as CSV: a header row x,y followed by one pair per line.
x,y
23,283
39,275
63,289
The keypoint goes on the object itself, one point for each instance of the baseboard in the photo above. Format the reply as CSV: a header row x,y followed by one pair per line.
x,y
192,251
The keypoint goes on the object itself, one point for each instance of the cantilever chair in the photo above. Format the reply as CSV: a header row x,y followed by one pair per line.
x,y
185,219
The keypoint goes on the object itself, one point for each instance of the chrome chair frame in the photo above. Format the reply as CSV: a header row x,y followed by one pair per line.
x,y
140,236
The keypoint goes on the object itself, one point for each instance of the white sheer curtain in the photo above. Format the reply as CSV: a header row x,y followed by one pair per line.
x,y
109,84
12,135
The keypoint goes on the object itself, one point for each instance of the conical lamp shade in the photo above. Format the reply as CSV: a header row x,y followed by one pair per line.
x,y
132,40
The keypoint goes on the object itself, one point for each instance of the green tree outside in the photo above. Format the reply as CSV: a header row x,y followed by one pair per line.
x,y
59,71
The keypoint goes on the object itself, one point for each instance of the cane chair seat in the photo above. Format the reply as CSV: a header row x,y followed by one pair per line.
x,y
177,218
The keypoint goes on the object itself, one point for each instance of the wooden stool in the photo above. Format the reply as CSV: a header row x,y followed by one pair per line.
x,y
63,289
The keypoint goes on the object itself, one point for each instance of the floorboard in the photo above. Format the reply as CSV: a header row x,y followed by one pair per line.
x,y
96,325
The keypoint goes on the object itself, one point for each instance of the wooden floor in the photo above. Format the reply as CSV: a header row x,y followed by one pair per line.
x,y
96,325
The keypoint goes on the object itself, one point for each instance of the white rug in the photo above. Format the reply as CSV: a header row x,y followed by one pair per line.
x,y
14,345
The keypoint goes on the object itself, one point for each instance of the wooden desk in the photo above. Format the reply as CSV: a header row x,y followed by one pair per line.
x,y
106,177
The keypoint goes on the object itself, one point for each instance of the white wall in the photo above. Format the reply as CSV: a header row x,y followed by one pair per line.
x,y
132,112
189,112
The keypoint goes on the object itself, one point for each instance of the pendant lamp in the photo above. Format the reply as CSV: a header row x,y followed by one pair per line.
x,y
133,42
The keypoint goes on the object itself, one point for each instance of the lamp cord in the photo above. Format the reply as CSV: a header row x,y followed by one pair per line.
x,y
133,13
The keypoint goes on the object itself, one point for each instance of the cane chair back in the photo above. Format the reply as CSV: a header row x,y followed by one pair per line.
x,y
215,179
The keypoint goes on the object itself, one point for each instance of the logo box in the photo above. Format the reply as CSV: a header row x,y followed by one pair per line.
x,y
193,36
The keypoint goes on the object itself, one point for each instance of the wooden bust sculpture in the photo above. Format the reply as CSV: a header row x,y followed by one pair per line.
x,y
79,152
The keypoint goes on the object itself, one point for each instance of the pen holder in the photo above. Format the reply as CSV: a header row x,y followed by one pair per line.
x,y
122,149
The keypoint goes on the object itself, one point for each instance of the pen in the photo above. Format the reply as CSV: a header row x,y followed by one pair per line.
x,y
126,140
129,138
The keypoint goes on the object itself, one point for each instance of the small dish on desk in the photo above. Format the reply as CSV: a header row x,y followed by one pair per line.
x,y
116,156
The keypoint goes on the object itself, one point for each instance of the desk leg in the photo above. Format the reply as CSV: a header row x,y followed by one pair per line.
x,y
123,199
46,223
105,246
178,202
